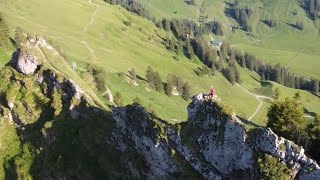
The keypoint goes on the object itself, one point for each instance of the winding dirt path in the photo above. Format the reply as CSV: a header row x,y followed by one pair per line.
x,y
93,18
90,49
258,97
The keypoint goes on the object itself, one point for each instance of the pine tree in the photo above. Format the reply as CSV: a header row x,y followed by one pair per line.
x,y
192,2
272,169
18,38
150,77
137,100
172,45
311,7
180,48
186,92
178,83
190,52
118,99
4,32
286,118
276,94
169,86
313,131
315,85
262,78
133,75
158,84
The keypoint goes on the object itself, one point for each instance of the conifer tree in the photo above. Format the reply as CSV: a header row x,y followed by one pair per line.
x,y
169,86
4,32
150,77
286,118
18,38
133,75
158,84
186,92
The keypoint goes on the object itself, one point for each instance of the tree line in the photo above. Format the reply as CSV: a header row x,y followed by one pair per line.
x,y
173,84
312,7
189,41
242,15
276,73
196,45
132,6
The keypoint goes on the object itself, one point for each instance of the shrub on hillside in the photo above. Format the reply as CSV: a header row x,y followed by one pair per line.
x,y
271,168
133,75
300,25
137,101
99,77
186,92
118,100
4,31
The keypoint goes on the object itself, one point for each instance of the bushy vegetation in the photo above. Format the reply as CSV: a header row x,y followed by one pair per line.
x,y
19,37
118,99
4,32
132,6
276,73
270,168
98,75
173,83
312,8
286,118
242,15
215,27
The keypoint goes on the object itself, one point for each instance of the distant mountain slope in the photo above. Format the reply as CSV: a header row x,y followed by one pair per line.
x,y
280,43
110,44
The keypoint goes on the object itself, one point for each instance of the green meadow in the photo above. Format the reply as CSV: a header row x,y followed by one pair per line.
x,y
98,35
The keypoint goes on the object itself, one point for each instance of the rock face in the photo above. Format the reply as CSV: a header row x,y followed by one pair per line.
x,y
213,143
135,133
25,62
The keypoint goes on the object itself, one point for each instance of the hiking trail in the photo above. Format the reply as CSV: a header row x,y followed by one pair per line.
x,y
258,97
93,18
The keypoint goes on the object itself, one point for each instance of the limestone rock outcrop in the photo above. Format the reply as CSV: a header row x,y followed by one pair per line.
x,y
212,142
25,62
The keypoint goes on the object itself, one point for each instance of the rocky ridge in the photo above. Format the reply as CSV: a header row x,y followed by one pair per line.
x,y
212,142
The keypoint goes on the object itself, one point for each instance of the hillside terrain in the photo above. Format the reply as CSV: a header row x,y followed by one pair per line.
x,y
279,44
101,38
104,89
58,131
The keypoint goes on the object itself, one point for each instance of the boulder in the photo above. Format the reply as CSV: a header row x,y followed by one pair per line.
x,y
25,62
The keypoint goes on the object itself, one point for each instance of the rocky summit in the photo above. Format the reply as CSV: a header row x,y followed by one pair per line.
x,y
213,143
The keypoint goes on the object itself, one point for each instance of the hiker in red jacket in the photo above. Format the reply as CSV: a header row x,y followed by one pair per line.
x,y
212,92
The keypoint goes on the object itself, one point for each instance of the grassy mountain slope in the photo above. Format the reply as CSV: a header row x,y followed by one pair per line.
x,y
110,44
97,35
279,44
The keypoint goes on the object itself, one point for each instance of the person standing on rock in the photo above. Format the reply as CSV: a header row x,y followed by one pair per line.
x,y
212,92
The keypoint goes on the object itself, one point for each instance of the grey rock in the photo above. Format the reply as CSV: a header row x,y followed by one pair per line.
x,y
25,62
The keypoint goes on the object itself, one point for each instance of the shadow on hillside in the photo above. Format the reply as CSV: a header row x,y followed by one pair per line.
x,y
255,79
247,122
313,93
292,25
62,147
313,114
141,78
